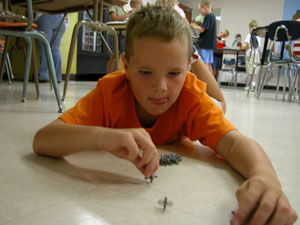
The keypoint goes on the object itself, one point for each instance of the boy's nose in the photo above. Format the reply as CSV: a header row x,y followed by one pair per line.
x,y
160,85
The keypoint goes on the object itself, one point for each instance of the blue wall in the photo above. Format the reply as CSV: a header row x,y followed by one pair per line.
x,y
290,8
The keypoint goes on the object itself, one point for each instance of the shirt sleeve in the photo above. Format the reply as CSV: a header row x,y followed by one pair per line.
x,y
206,122
88,111
207,21
247,40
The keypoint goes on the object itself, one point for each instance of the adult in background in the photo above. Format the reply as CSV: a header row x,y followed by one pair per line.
x,y
49,24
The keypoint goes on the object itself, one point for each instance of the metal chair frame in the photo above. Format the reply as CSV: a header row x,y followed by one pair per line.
x,y
286,64
28,34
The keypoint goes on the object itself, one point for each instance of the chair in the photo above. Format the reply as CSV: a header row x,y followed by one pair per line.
x,y
24,29
95,24
233,65
8,68
228,66
283,31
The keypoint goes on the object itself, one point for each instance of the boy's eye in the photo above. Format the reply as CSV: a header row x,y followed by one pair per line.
x,y
145,73
174,73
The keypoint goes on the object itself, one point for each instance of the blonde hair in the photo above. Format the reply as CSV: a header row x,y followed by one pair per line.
x,y
169,3
206,3
253,23
226,32
163,23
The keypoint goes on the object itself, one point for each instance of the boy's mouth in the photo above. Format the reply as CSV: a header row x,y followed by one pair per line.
x,y
159,101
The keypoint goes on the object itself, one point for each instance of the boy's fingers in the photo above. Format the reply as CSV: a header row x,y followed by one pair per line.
x,y
148,147
151,168
265,209
284,214
248,198
133,150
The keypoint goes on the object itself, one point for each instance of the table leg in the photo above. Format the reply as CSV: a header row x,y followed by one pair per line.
x,y
59,27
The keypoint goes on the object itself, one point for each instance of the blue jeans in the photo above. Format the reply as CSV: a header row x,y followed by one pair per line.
x,y
49,24
207,55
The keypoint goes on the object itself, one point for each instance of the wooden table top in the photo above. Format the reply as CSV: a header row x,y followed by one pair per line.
x,y
230,51
60,6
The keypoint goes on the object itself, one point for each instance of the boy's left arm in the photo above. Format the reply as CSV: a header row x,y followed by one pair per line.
x,y
260,195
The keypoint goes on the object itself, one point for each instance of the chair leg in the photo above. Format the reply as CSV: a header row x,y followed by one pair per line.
x,y
9,67
51,66
70,57
27,67
35,68
116,49
290,80
258,80
277,84
294,85
284,82
8,72
3,59
263,80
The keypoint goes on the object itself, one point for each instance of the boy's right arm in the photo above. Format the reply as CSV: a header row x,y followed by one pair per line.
x,y
114,16
58,139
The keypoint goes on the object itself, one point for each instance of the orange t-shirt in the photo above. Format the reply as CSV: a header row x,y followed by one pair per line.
x,y
112,104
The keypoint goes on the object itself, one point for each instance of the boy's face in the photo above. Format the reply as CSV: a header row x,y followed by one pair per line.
x,y
156,71
223,34
136,5
203,10
238,38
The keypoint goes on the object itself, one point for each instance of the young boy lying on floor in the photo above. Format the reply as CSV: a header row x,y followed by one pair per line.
x,y
156,101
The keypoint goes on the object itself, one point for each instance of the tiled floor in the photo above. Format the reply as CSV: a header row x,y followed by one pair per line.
x,y
97,188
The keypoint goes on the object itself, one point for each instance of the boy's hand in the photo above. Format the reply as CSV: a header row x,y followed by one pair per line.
x,y
127,143
261,201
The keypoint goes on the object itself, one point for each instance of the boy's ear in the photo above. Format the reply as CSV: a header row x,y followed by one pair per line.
x,y
125,63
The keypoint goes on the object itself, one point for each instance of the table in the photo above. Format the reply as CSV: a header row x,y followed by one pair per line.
x,y
231,51
65,6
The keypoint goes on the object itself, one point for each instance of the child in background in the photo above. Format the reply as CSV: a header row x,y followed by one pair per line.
x,y
157,101
237,43
198,67
217,64
207,39
119,13
254,59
